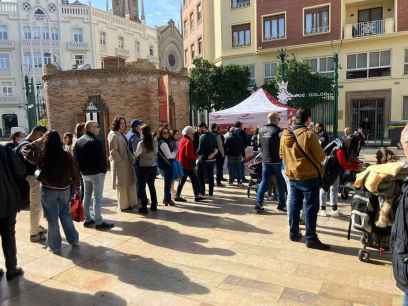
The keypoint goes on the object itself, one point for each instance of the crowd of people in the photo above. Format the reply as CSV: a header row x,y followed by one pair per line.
x,y
44,172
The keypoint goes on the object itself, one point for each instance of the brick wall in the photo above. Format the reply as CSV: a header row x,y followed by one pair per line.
x,y
129,92
402,15
294,21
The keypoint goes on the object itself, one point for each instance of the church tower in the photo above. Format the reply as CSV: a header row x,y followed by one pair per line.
x,y
125,8
118,7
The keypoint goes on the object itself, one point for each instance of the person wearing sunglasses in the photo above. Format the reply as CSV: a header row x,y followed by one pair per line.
x,y
90,155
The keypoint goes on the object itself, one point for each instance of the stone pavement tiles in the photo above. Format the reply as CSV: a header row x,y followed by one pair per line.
x,y
214,253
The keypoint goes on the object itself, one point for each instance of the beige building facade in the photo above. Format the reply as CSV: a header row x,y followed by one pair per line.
x,y
370,37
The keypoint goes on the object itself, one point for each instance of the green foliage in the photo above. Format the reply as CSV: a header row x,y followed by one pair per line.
x,y
43,122
231,85
202,89
213,87
313,87
271,87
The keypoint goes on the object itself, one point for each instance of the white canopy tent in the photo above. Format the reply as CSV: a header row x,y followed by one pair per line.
x,y
253,111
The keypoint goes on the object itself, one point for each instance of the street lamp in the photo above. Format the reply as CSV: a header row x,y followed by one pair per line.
x,y
282,55
336,95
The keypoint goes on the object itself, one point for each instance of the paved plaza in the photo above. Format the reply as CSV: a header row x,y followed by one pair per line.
x,y
215,253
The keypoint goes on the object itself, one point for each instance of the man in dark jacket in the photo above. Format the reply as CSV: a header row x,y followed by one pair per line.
x,y
234,146
399,233
221,154
29,151
207,152
269,137
324,138
90,155
12,171
246,142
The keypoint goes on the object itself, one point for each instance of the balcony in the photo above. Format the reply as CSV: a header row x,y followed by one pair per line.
x,y
8,8
371,28
7,44
77,46
40,43
122,52
8,100
75,10
367,18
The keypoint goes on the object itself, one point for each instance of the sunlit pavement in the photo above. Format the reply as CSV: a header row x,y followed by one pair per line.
x,y
214,253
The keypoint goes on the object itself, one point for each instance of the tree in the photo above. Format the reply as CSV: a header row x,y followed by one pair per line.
x,y
213,87
231,85
202,90
313,88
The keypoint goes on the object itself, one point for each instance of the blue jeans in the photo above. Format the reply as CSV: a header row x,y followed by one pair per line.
x,y
93,184
269,170
56,205
235,170
405,302
306,194
167,174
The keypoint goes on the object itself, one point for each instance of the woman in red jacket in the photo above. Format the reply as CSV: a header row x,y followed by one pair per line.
x,y
187,157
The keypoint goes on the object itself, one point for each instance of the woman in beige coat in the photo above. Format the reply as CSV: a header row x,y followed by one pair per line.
x,y
124,179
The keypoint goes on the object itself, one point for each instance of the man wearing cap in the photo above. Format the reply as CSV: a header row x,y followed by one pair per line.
x,y
133,136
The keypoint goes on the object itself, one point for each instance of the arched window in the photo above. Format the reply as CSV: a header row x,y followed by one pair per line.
x,y
151,51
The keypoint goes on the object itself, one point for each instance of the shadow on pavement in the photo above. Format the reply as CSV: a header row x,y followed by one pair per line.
x,y
206,221
141,272
23,292
166,237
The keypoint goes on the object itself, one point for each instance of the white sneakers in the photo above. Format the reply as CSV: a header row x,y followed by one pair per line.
x,y
323,213
331,213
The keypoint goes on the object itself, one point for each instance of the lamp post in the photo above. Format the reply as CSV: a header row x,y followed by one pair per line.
x,y
336,95
282,55
31,103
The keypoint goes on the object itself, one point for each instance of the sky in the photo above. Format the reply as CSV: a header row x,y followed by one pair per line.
x,y
158,12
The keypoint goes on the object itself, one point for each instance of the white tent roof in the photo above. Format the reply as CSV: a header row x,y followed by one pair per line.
x,y
258,102
251,111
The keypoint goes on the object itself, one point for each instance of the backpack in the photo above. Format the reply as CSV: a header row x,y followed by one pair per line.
x,y
332,168
27,159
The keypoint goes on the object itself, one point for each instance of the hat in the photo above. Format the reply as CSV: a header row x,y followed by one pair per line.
x,y
135,123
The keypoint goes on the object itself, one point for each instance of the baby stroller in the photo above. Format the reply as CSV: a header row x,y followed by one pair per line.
x,y
365,211
254,167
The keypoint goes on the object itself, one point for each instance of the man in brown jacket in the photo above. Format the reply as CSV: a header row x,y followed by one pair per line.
x,y
302,155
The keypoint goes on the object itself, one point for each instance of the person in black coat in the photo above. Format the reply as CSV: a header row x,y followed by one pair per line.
x,y
246,141
324,138
234,146
12,170
399,233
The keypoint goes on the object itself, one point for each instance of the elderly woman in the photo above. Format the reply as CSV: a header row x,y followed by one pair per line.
x,y
124,180
187,157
